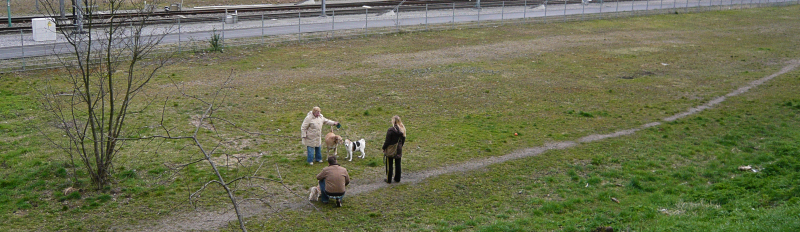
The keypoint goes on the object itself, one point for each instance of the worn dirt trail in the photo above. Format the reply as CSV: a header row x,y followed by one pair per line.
x,y
215,220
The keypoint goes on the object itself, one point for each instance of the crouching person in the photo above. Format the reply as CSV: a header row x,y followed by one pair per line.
x,y
332,182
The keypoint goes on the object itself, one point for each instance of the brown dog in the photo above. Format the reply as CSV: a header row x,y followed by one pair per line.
x,y
332,142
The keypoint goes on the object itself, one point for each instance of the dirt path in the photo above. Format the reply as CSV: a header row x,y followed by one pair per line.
x,y
215,220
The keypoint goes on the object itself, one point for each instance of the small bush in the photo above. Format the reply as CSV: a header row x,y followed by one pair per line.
x,y
216,41
129,174
634,184
586,114
72,196
104,198
61,172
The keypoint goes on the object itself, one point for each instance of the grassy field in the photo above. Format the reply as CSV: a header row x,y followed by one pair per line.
x,y
462,94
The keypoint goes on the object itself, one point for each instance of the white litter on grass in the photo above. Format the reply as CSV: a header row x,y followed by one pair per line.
x,y
665,64
388,13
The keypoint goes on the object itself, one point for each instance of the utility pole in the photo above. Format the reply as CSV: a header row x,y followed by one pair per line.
x,y
61,8
323,9
8,4
78,12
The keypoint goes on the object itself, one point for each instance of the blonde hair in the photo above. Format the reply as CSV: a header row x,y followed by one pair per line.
x,y
316,109
396,122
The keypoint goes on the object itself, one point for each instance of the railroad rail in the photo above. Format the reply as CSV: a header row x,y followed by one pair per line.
x,y
207,15
279,12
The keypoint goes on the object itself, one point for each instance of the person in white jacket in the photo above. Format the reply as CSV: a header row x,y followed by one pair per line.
x,y
311,132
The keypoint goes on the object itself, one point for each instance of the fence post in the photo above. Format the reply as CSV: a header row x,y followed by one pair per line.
x,y
617,10
262,28
545,11
633,3
583,9
366,21
687,6
647,7
661,6
333,23
602,2
22,42
479,17
299,34
711,5
426,17
397,19
502,12
525,10
223,33
453,22
565,11
179,35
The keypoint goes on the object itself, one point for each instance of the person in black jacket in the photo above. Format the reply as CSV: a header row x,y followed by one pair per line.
x,y
395,135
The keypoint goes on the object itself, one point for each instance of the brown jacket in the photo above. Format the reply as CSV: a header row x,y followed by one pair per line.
x,y
394,136
335,177
311,130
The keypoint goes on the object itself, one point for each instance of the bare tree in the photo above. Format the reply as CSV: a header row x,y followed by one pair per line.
x,y
215,146
114,56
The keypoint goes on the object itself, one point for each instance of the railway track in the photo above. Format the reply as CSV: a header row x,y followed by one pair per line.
x,y
217,14
250,13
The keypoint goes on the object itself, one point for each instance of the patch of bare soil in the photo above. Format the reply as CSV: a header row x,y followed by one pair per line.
x,y
211,220
508,50
195,121
235,160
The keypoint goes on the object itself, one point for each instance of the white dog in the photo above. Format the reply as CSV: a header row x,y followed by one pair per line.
x,y
355,146
314,193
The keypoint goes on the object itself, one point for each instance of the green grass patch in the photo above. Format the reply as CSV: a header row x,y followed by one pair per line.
x,y
463,94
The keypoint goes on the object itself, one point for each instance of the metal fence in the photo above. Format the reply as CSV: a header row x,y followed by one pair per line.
x,y
313,26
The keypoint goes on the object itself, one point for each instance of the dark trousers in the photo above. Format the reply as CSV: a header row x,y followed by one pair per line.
x,y
393,169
